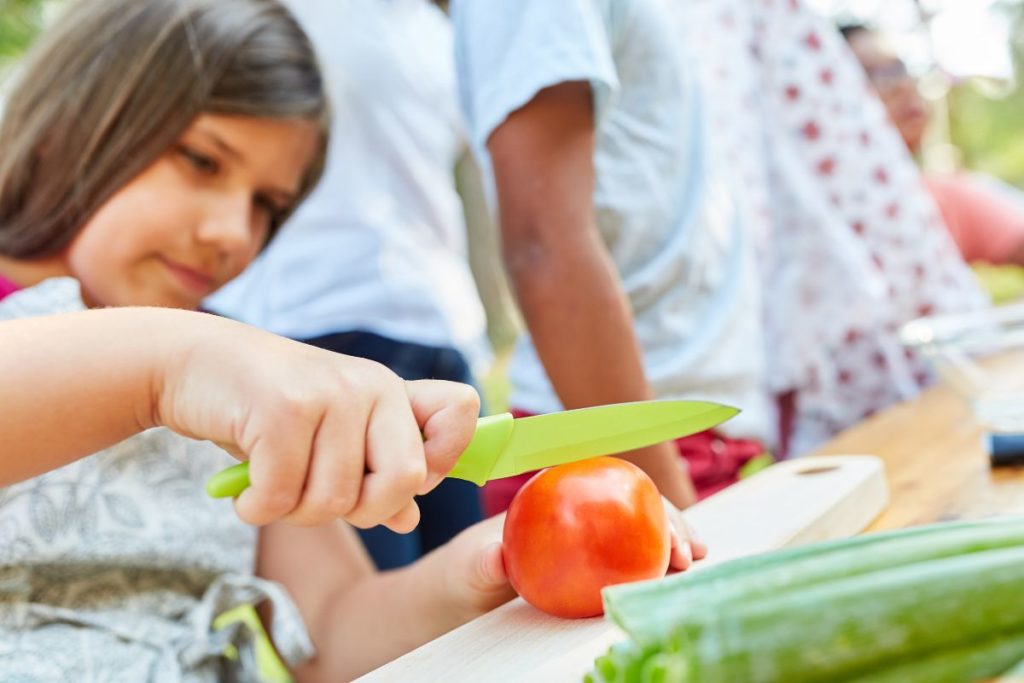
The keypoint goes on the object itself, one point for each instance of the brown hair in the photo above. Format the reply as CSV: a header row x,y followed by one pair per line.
x,y
114,83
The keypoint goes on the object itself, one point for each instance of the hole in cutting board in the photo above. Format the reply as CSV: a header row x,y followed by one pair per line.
x,y
818,469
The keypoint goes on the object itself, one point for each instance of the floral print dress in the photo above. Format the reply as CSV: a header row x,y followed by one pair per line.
x,y
851,244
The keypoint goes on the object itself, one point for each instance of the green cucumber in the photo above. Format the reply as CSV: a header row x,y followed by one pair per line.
x,y
628,663
1015,674
648,610
849,626
966,664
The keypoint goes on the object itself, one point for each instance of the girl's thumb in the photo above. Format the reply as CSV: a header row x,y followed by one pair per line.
x,y
491,567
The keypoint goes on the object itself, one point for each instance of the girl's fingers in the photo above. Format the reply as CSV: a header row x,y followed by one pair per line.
x,y
681,557
357,446
335,478
278,463
446,413
405,520
395,463
685,546
486,585
700,548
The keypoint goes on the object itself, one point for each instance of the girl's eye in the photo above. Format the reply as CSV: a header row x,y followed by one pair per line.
x,y
199,161
273,213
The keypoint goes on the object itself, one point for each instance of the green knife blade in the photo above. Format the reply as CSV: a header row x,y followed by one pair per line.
x,y
503,446
558,438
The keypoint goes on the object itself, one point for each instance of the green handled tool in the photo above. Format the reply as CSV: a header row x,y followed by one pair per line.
x,y
503,446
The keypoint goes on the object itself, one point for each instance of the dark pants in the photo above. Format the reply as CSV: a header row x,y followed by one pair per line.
x,y
454,504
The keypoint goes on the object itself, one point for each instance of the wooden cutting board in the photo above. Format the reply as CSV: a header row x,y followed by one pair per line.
x,y
791,503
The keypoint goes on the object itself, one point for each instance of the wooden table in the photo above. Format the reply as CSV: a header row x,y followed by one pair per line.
x,y
935,460
937,470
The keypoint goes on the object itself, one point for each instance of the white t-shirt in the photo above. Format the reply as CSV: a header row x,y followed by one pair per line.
x,y
683,256
380,245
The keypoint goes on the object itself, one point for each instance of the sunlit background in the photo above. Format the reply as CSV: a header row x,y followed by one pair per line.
x,y
963,37
969,55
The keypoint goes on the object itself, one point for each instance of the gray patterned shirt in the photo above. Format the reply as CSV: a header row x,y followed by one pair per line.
x,y
113,567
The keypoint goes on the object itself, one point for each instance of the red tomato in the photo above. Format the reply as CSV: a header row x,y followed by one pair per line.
x,y
576,528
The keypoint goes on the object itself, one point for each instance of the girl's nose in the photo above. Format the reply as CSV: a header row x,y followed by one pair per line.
x,y
229,223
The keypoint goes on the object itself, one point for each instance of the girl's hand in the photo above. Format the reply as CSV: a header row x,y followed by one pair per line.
x,y
686,545
328,436
472,571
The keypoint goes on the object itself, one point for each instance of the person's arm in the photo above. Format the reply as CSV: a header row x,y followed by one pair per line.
x,y
566,284
1003,227
70,386
985,220
359,619
327,436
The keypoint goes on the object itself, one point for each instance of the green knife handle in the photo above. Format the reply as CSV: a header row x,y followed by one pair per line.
x,y
230,482
475,463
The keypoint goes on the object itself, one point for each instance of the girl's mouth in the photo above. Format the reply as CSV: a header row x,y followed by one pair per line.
x,y
193,279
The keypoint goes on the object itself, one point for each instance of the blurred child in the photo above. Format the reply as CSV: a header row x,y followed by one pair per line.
x,y
151,148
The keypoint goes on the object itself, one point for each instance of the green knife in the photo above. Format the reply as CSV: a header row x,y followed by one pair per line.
x,y
503,446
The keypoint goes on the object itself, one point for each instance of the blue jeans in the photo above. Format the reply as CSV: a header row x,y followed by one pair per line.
x,y
454,504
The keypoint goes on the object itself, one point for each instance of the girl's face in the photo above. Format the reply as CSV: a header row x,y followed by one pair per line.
x,y
196,217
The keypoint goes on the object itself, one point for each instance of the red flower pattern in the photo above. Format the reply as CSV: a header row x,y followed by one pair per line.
x,y
844,262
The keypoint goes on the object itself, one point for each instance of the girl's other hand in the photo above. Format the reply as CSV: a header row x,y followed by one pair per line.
x,y
686,545
471,571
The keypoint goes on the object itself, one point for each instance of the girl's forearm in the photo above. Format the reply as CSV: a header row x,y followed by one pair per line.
x,y
73,384
380,618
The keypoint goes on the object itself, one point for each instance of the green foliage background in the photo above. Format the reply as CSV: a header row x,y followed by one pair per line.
x,y
20,20
989,131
